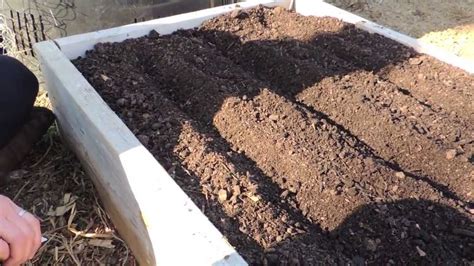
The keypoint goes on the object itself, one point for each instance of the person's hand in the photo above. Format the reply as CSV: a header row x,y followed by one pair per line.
x,y
20,233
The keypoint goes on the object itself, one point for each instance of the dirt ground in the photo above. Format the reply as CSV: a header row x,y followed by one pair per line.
x,y
304,139
446,24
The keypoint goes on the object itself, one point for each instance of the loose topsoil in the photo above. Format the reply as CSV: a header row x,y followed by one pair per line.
x,y
303,139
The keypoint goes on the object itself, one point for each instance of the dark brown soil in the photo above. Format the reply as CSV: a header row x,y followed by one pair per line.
x,y
304,140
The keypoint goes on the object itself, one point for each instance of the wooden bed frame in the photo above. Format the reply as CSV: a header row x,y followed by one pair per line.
x,y
156,218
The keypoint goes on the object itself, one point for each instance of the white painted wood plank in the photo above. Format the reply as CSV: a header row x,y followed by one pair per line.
x,y
155,217
77,45
320,9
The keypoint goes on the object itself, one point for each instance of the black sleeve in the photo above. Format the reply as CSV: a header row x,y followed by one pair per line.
x,y
18,90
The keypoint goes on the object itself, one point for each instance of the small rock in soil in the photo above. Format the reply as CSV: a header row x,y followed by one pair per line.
x,y
104,77
278,10
274,118
254,198
236,190
371,245
222,195
235,13
154,34
352,191
420,251
144,139
451,154
121,102
470,210
184,153
400,175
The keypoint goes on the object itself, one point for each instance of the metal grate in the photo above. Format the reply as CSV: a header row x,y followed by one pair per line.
x,y
19,31
27,30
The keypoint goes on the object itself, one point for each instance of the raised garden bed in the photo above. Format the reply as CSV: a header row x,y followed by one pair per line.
x,y
302,139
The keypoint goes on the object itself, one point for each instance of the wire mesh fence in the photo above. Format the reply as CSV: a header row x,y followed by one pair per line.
x,y
27,29
7,37
28,22
19,31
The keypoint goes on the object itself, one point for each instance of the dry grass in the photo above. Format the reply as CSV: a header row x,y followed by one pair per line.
x,y
52,185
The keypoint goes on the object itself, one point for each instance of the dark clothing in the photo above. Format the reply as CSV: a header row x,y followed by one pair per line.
x,y
18,91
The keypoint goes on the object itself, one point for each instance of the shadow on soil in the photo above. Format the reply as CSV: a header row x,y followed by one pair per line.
x,y
402,232
290,66
406,231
